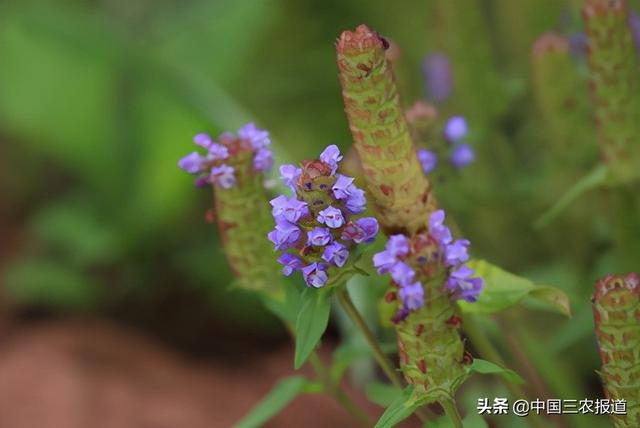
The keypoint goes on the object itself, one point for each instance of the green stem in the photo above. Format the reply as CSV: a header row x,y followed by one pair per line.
x,y
385,364
451,411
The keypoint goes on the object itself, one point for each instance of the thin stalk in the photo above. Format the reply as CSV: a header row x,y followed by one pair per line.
x,y
451,411
385,364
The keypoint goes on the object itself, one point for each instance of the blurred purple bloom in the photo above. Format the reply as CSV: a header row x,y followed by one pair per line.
x,y
191,163
315,275
578,44
455,129
437,229
412,296
634,26
398,245
218,151
436,71
203,140
290,208
285,235
222,176
402,274
336,253
464,285
356,201
342,186
361,230
462,155
383,261
263,160
428,160
456,252
290,263
332,156
201,181
289,175
331,216
259,138
319,236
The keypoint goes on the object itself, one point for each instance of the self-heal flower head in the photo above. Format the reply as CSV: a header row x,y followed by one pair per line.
x,y
290,263
412,296
331,216
230,158
456,129
315,275
325,208
319,236
462,155
428,160
291,209
463,285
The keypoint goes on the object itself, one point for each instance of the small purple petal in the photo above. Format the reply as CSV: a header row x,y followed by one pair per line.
x,y
218,151
457,252
203,140
331,155
285,235
383,261
402,273
263,160
319,236
362,230
331,216
290,208
315,275
356,201
259,138
398,245
436,70
462,155
223,176
412,296
191,163
290,263
437,229
342,186
455,129
336,253
428,160
463,285
289,175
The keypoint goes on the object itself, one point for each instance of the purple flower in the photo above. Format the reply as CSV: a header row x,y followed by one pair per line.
x,y
203,140
356,202
331,216
455,129
361,230
463,285
319,236
436,71
289,175
634,26
290,263
578,44
263,160
336,253
315,275
383,261
437,229
217,151
285,235
412,296
402,274
428,160
222,176
456,253
191,163
259,138
462,155
342,187
332,156
398,245
201,182
290,208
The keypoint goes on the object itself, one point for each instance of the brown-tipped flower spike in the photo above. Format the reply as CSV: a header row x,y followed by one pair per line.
x,y
616,310
615,85
401,194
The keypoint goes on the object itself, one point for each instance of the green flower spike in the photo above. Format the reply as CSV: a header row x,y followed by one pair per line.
x,y
616,310
615,85
402,195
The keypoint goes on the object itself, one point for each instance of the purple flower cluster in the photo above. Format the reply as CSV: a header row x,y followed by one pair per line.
x,y
461,154
216,165
317,228
411,260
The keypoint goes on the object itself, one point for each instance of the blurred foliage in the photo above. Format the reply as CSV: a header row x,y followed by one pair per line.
x,y
98,100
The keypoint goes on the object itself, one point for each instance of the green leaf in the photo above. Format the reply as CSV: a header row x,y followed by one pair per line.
x,y
382,394
288,308
594,179
504,289
311,323
282,394
400,409
348,353
487,367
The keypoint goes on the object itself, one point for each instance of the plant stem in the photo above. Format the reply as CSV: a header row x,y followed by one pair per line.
x,y
451,411
337,392
385,364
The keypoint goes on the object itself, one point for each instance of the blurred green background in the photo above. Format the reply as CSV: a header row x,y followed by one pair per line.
x,y
99,99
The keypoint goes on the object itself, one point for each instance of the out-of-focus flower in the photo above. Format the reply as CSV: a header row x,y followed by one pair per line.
x,y
436,70
462,155
456,129
428,160
323,207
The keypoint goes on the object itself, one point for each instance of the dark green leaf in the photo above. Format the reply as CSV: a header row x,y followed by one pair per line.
x,y
311,322
401,408
282,394
382,394
487,367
